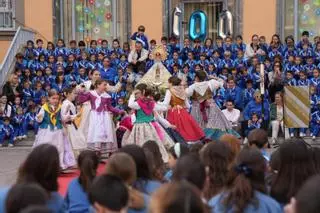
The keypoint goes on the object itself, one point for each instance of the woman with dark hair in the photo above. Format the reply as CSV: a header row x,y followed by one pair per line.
x,y
204,110
5,107
42,167
216,156
254,48
180,197
296,165
60,83
156,164
246,190
144,182
76,199
307,198
275,47
20,196
276,80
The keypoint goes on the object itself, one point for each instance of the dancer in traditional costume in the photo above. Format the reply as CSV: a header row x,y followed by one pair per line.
x,y
51,130
204,110
145,127
83,121
101,133
69,114
178,114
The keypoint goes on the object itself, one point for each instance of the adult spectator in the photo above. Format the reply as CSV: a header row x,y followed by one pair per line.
x,y
254,48
276,117
232,114
255,106
5,107
11,88
138,57
141,37
276,80
106,71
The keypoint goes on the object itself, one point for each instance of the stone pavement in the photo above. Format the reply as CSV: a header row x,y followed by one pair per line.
x,y
10,160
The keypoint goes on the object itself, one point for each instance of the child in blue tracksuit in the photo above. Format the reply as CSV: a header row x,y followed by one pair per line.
x,y
314,99
6,132
18,124
315,123
253,123
38,93
139,36
248,93
290,81
30,121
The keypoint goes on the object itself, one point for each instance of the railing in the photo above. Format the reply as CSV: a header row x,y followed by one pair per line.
x,y
22,35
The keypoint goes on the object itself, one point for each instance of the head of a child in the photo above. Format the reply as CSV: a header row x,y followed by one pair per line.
x,y
69,93
258,138
186,68
115,44
108,194
211,67
190,55
254,117
51,59
93,44
30,44
100,85
225,71
289,75
104,44
26,85
39,43
43,100
227,54
39,73
153,43
239,39
48,71
121,101
228,40
303,75
54,97
141,30
197,68
123,57
42,58
88,163
50,46
313,89
175,152
84,55
219,41
291,58
231,82
203,56
20,111
216,54
60,43
240,54
249,84
298,60
315,73
186,42
73,44
93,58
164,40
305,36
6,121
174,81
38,86
113,55
17,100
123,166
200,76
309,60
175,68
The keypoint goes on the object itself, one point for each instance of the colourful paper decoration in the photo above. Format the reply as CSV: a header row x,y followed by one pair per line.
x,y
79,7
306,7
81,18
108,16
312,21
98,4
99,20
96,30
107,33
81,28
99,40
87,39
304,1
101,11
92,15
88,26
107,3
304,18
86,10
106,25
91,1
317,11
316,2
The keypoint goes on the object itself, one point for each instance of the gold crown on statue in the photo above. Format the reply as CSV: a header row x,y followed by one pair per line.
x,y
159,50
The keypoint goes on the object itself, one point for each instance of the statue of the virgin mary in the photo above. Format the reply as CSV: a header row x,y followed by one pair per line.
x,y
157,75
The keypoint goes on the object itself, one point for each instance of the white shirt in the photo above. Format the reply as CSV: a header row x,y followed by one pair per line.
x,y
232,116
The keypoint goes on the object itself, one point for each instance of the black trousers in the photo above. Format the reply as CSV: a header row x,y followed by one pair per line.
x,y
140,66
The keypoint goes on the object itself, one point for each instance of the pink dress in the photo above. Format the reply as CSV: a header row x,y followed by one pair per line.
x,y
101,132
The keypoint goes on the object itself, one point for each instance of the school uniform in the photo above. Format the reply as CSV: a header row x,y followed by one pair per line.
x,y
172,62
309,69
39,51
6,133
123,65
18,125
191,64
32,65
225,63
118,51
305,53
291,82
234,94
289,66
82,78
60,87
141,38
205,63
248,95
41,65
37,94
83,64
300,44
197,51
30,121
253,107
48,53
171,48
239,63
251,126
93,51
273,53
76,199
104,51
108,73
215,61
208,51
71,79
27,94
60,51
315,126
316,56
314,100
92,65
49,79
74,51
236,47
38,79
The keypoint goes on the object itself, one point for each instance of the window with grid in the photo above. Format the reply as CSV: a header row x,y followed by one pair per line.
x,y
7,15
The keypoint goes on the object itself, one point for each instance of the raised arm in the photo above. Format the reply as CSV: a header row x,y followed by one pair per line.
x,y
132,103
113,109
164,122
190,90
215,84
83,97
115,88
167,98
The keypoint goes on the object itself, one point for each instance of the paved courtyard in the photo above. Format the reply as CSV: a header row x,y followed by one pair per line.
x,y
10,160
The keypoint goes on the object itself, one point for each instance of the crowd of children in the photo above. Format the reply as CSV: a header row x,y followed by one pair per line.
x,y
218,177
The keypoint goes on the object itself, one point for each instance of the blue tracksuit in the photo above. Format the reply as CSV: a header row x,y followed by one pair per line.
x,y
184,52
83,64
254,107
30,121
93,51
314,100
123,65
108,74
248,95
315,126
141,38
37,94
18,124
27,94
60,51
234,94
252,126
6,132
291,82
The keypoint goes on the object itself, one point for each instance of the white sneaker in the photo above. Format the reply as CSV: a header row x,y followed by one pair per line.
x,y
292,135
301,134
313,137
245,141
24,137
15,138
10,145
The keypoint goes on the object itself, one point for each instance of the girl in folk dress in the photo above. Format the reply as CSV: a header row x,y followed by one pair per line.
x,y
68,114
204,109
145,127
178,115
101,133
87,86
51,130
